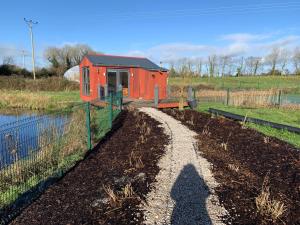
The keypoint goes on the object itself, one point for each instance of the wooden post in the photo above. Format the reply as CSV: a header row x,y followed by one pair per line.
x,y
106,90
190,93
227,96
279,98
156,95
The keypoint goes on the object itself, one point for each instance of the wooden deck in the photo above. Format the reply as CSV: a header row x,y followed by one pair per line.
x,y
162,104
139,103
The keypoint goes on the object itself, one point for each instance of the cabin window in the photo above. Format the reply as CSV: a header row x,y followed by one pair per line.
x,y
86,80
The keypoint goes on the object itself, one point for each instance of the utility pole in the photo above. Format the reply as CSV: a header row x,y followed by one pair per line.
x,y
30,23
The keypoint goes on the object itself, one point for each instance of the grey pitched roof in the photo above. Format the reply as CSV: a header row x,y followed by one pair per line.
x,y
109,60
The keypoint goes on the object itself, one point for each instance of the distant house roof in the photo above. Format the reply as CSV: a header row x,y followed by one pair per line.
x,y
110,60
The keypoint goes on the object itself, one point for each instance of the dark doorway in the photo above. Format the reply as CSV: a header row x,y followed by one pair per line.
x,y
112,81
124,77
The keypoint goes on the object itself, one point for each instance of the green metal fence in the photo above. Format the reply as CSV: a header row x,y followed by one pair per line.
x,y
34,150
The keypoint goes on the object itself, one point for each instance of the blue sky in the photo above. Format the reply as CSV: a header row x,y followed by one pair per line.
x,y
161,30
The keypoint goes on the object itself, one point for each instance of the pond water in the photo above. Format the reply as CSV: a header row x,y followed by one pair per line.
x,y
23,134
291,99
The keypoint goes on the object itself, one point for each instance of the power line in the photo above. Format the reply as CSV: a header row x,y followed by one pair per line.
x,y
30,23
236,9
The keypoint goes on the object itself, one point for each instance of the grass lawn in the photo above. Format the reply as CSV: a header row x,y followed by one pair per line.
x,y
283,116
40,100
247,82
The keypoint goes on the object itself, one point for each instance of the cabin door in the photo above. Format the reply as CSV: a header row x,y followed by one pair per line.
x,y
118,77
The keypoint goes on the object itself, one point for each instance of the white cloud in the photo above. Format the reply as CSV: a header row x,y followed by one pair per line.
x,y
245,37
238,44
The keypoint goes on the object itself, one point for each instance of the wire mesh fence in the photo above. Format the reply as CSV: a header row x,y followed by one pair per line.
x,y
231,97
35,149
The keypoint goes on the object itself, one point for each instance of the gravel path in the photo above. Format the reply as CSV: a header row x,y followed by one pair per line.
x,y
183,193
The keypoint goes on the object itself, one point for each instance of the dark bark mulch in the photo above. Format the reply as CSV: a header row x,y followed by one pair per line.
x,y
242,160
128,157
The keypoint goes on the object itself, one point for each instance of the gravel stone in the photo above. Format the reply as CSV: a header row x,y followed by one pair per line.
x,y
184,191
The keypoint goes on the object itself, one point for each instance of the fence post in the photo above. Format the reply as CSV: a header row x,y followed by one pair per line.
x,y
106,90
110,110
194,93
119,96
156,97
190,93
279,98
88,125
227,97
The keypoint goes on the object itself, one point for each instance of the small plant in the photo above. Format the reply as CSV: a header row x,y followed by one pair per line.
x,y
244,122
142,139
224,146
191,121
128,191
269,208
111,194
206,132
139,163
266,140
135,161
234,167
148,131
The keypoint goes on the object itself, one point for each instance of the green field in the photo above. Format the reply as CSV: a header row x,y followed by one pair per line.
x,y
291,83
283,116
40,100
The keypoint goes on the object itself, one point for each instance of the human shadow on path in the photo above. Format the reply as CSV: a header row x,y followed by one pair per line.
x,y
190,193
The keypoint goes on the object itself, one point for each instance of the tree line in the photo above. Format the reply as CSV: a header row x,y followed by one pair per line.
x,y
59,59
278,62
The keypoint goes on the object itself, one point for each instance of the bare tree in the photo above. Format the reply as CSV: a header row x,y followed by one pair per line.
x,y
8,60
78,52
212,64
199,67
296,60
284,59
240,67
225,60
272,59
253,64
64,58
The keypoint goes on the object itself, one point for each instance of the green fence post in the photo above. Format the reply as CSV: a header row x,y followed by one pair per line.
x,y
121,99
88,125
227,97
110,110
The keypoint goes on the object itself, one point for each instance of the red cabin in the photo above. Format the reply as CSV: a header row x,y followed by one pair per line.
x,y
104,74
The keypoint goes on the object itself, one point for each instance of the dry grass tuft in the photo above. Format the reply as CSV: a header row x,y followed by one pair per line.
x,y
234,167
224,146
113,197
266,140
135,160
128,191
270,209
